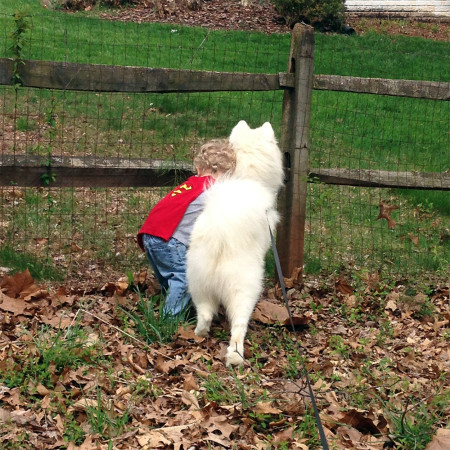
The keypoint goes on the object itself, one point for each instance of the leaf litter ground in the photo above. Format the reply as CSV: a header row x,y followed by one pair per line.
x,y
75,373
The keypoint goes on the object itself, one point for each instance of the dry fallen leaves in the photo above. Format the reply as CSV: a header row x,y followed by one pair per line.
x,y
441,440
168,390
385,213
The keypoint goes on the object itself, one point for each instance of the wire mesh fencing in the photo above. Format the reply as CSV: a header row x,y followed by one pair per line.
x,y
395,231
89,232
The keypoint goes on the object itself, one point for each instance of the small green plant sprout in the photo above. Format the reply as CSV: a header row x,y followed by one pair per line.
x,y
216,390
23,124
231,390
221,335
103,419
152,323
338,345
49,176
145,388
19,40
386,332
413,427
295,362
73,432
307,429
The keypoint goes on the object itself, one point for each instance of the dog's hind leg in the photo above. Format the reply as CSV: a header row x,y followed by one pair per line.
x,y
206,309
239,311
235,351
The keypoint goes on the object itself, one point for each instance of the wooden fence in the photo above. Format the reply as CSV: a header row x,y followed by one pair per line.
x,y
297,83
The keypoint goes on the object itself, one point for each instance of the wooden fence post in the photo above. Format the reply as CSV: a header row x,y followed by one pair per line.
x,y
294,143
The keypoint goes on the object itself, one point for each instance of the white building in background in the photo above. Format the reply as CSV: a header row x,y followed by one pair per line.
x,y
437,8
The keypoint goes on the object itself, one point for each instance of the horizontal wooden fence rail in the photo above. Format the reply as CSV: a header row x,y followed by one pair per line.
x,y
103,78
28,170
90,171
382,178
94,171
431,90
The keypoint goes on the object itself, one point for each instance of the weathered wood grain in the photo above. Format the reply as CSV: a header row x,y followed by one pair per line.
x,y
31,171
432,90
103,78
295,145
91,171
382,178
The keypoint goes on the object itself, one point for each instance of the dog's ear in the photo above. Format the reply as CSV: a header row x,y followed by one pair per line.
x,y
241,124
267,130
238,130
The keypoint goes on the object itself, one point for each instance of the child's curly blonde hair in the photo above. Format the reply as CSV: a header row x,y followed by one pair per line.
x,y
215,156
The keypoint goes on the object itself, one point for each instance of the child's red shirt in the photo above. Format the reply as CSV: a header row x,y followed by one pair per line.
x,y
164,218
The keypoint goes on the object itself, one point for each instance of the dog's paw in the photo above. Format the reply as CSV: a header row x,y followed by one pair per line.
x,y
233,358
201,331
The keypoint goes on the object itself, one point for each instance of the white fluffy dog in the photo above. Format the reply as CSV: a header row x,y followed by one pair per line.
x,y
225,260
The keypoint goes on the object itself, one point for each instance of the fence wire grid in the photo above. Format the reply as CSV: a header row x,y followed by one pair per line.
x,y
79,233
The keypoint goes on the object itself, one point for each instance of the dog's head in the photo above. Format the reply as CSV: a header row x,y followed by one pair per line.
x,y
257,154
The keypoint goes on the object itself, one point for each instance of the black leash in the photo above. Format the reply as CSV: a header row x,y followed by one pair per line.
x,y
280,276
323,439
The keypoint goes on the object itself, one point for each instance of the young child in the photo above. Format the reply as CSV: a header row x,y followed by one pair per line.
x,y
166,232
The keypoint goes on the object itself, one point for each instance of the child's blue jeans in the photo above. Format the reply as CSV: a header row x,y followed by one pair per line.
x,y
168,260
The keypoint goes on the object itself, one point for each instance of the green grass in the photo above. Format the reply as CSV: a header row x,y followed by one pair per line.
x,y
19,261
52,352
347,130
415,427
105,42
151,45
151,322
351,237
103,419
